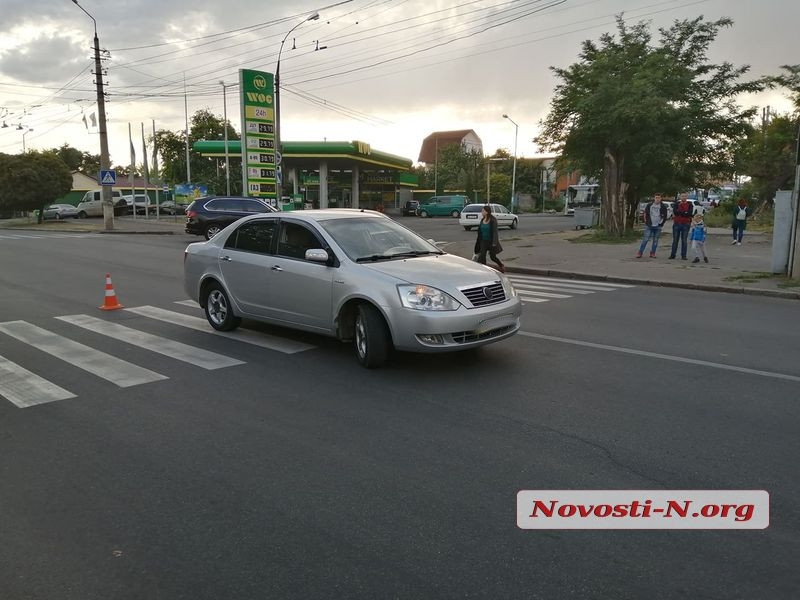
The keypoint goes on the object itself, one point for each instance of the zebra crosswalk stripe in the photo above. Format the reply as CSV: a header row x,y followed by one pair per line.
x,y
117,371
177,350
23,388
263,340
541,289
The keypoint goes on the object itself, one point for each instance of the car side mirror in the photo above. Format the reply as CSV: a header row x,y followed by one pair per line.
x,y
317,255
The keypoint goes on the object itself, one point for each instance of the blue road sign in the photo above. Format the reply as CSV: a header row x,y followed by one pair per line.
x,y
108,178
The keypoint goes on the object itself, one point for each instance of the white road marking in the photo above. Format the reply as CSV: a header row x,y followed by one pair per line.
x,y
256,338
527,286
177,350
105,366
191,303
576,288
571,281
531,293
23,388
681,359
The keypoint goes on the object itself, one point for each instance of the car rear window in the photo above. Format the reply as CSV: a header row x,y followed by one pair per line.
x,y
473,208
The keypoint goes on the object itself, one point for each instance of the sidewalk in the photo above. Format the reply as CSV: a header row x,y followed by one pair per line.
x,y
734,269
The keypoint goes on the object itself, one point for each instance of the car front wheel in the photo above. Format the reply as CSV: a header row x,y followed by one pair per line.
x,y
212,230
454,214
218,309
371,337
423,214
82,215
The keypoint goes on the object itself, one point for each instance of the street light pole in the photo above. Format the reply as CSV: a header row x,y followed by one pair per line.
x,y
278,183
24,133
225,125
105,161
514,170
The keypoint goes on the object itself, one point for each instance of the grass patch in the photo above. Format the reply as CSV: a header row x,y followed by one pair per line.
x,y
751,276
601,237
789,283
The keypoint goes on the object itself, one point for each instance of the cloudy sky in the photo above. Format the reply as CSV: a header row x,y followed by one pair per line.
x,y
387,72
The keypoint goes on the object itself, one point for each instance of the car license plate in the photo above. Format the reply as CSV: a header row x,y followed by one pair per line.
x,y
472,216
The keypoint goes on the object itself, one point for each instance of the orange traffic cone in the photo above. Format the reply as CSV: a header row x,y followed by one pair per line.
x,y
110,302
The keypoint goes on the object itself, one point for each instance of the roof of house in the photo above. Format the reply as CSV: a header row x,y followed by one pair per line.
x,y
437,139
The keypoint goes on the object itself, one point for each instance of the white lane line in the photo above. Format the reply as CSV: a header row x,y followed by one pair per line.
x,y
552,288
191,303
263,340
527,299
681,359
105,366
177,350
541,294
23,388
570,287
572,281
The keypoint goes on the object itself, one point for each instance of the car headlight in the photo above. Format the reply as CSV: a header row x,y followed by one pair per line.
x,y
508,287
424,297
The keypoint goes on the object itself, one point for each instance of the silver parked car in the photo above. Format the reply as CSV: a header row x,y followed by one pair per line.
x,y
471,216
59,211
351,274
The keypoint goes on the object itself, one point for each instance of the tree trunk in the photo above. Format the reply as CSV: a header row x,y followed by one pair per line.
x,y
614,190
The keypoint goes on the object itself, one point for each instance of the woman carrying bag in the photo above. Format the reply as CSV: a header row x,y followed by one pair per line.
x,y
488,240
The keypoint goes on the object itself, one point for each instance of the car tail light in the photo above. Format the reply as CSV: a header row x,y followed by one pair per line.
x,y
191,214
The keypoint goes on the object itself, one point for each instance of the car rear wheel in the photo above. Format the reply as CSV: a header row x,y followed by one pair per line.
x,y
423,214
467,228
371,337
82,215
514,224
218,309
454,214
212,230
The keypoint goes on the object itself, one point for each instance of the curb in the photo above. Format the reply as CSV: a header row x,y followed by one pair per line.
x,y
670,284
122,232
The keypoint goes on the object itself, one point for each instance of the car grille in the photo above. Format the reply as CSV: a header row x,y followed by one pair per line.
x,y
485,295
465,337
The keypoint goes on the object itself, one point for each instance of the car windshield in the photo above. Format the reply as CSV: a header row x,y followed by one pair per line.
x,y
369,239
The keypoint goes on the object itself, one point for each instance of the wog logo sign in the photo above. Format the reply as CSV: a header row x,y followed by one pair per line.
x,y
259,82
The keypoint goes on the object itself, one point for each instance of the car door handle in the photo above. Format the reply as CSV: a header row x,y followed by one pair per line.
x,y
276,268
226,257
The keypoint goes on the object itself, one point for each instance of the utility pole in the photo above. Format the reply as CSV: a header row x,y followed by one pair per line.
x,y
105,161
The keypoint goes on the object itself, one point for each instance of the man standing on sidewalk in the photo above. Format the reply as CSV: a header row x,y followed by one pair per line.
x,y
655,215
681,223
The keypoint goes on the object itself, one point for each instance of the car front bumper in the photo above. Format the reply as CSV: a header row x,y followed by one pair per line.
x,y
447,331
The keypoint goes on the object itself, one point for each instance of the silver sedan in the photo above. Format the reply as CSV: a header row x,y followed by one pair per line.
x,y
351,274
60,211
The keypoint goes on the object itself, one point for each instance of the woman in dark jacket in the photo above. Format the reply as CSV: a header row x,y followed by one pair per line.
x,y
487,239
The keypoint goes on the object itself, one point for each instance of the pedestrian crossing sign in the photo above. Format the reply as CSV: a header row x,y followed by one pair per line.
x,y
108,177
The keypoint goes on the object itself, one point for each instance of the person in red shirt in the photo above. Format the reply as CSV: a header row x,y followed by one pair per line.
x,y
681,224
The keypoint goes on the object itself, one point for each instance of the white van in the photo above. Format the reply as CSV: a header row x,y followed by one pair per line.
x,y
92,203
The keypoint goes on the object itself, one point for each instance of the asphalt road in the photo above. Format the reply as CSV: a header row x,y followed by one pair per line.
x,y
303,475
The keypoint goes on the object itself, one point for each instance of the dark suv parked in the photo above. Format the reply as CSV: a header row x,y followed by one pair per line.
x,y
209,215
410,208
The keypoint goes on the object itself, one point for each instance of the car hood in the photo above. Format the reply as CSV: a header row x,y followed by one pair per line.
x,y
442,271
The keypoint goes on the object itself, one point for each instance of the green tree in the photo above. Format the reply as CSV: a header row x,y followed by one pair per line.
x,y
32,180
78,160
647,117
767,156
209,170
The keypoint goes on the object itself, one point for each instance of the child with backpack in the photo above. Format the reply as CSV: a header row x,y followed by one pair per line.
x,y
698,237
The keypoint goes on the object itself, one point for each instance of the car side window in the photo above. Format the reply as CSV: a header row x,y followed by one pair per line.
x,y
253,206
253,236
295,239
225,204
